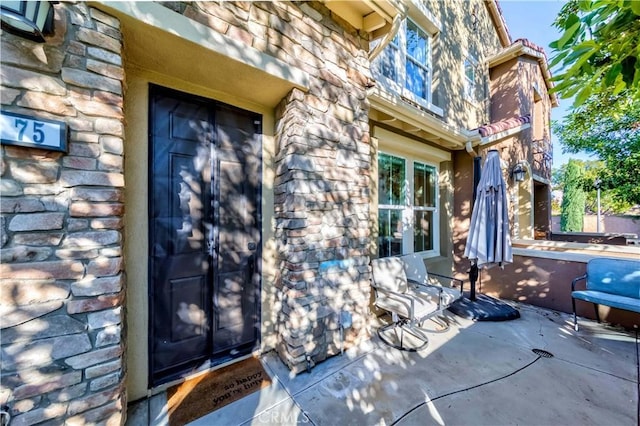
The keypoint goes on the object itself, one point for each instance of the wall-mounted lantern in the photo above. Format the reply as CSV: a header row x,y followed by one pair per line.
x,y
29,19
518,172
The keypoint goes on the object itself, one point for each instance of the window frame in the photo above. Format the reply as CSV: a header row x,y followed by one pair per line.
x,y
470,86
409,209
400,58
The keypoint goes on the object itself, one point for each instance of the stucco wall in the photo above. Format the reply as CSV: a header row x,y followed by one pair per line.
x,y
459,38
546,282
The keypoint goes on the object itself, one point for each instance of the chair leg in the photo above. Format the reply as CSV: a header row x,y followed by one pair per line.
x,y
575,318
401,325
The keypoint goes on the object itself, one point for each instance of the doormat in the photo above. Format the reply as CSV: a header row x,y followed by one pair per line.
x,y
201,395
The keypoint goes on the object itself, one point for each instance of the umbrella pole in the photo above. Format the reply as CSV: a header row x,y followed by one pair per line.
x,y
473,272
473,277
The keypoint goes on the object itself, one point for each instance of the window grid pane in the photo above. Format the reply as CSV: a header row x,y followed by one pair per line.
x,y
390,232
391,179
424,185
388,61
422,230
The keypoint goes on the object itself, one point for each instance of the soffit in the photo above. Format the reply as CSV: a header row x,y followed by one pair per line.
x,y
393,111
160,40
366,15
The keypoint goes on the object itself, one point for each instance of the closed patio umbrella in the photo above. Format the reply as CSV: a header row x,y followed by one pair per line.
x,y
488,243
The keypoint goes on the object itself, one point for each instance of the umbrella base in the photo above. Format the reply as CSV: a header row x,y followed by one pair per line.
x,y
484,308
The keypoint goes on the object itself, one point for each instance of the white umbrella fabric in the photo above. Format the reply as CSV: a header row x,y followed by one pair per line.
x,y
488,242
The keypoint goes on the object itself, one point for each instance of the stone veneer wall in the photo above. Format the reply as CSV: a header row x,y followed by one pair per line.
x,y
61,218
322,169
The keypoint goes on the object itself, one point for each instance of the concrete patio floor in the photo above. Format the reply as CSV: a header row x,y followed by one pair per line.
x,y
476,373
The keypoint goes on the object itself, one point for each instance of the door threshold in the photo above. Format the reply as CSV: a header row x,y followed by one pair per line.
x,y
205,369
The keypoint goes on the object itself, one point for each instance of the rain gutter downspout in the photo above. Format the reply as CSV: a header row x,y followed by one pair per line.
x,y
472,136
395,26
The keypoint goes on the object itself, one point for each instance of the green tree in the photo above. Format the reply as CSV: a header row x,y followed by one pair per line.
x,y
598,50
597,59
573,199
609,128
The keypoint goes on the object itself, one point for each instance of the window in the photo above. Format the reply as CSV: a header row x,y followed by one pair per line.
x,y
470,84
406,62
407,209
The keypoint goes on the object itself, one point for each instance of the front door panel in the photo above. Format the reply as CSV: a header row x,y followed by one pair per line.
x,y
204,232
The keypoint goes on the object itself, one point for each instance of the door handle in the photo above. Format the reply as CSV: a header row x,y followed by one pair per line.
x,y
251,245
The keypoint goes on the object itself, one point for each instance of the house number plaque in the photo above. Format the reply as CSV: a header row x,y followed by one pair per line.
x,y
22,130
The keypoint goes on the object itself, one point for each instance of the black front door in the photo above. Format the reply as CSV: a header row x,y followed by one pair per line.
x,y
204,232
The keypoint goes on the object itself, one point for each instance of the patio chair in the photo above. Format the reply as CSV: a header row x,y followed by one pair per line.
x,y
409,303
416,272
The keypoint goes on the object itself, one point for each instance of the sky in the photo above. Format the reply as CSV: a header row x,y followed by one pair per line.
x,y
534,20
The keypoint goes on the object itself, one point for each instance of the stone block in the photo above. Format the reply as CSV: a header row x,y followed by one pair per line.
x,y
95,357
108,31
20,204
52,411
104,55
24,254
54,104
41,172
42,352
92,401
36,222
12,316
88,209
68,393
90,80
94,304
104,266
109,415
87,137
100,16
97,194
81,149
97,109
104,381
61,269
111,162
77,254
43,328
95,38
96,286
81,163
108,70
10,188
108,223
109,336
8,96
71,178
112,144
31,81
106,318
109,126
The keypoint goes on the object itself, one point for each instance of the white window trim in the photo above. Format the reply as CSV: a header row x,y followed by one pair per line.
x,y
401,70
476,82
410,150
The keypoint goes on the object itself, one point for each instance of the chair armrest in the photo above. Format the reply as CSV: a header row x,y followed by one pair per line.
x,y
399,295
432,286
575,281
453,280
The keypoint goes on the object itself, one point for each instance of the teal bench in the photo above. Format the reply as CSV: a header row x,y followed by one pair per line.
x,y
609,282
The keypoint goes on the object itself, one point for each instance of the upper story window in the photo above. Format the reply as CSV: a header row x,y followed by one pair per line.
x,y
470,79
406,62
